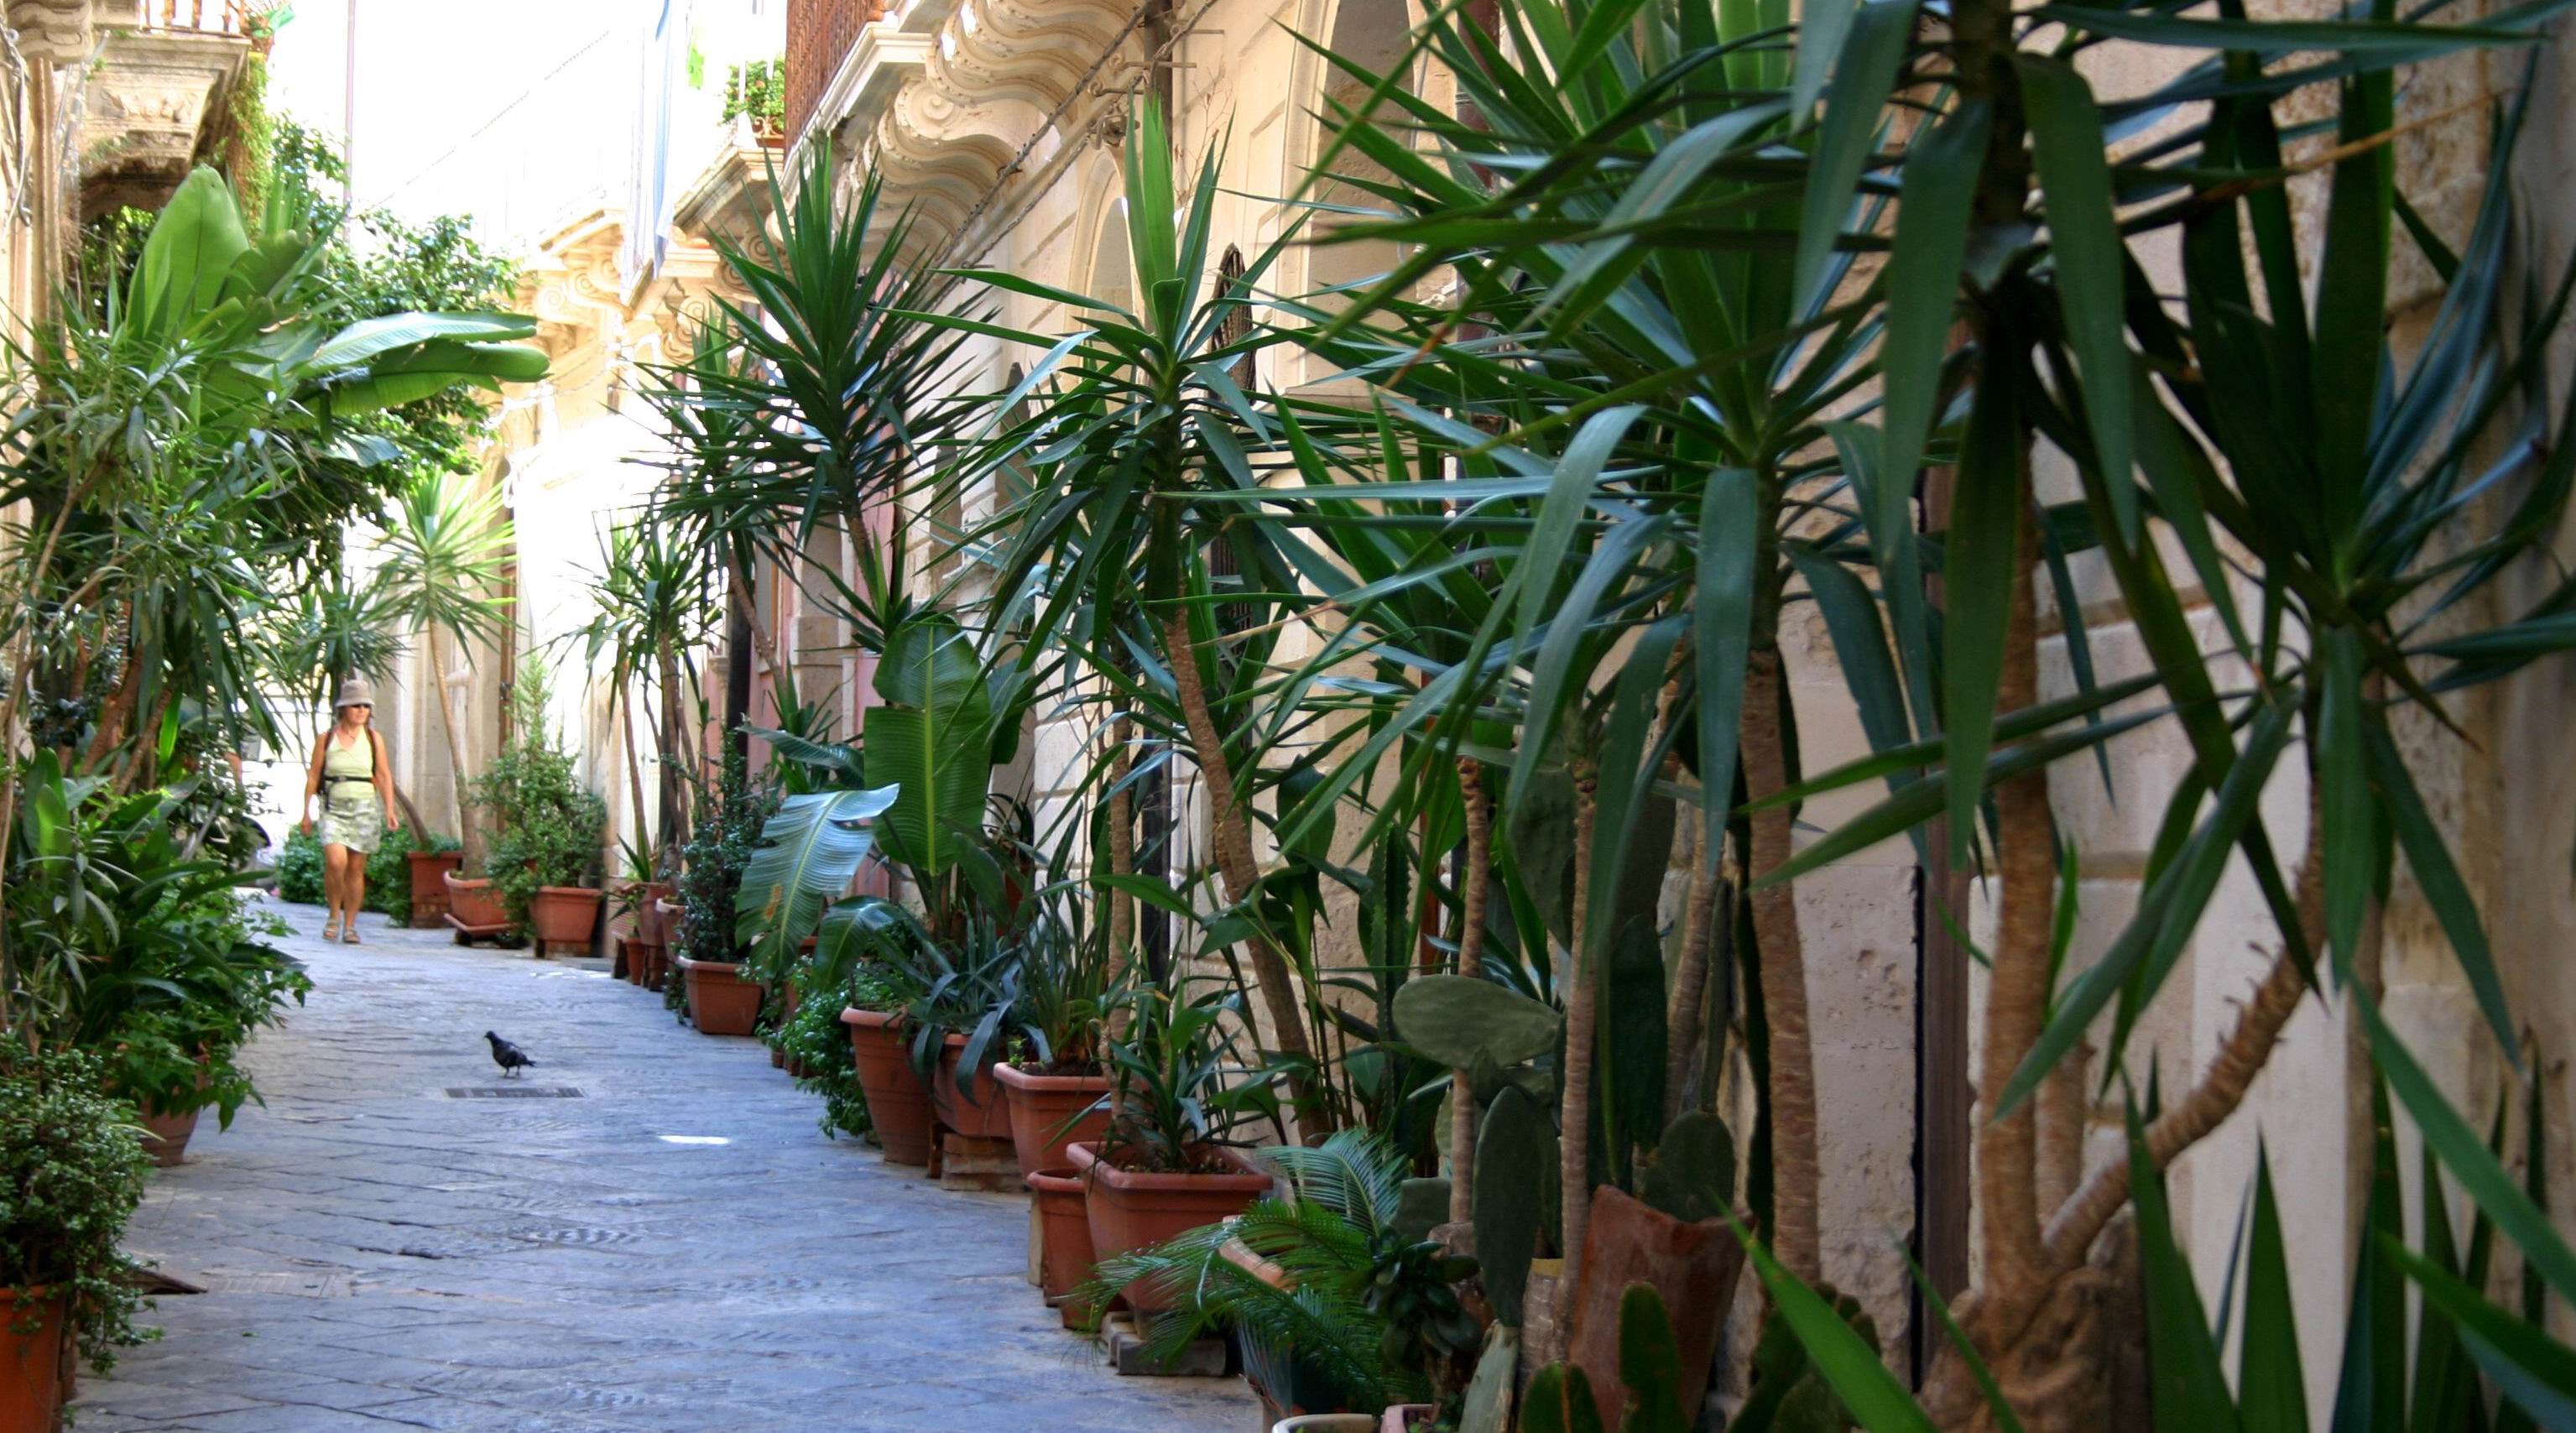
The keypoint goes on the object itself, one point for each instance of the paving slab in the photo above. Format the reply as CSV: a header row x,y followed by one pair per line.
x,y
380,1255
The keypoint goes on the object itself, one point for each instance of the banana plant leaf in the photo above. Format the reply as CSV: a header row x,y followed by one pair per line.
x,y
810,851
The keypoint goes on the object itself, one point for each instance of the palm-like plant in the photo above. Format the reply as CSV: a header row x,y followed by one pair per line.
x,y
443,556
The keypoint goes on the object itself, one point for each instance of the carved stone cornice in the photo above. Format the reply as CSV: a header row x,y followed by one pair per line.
x,y
155,102
729,200
53,32
949,93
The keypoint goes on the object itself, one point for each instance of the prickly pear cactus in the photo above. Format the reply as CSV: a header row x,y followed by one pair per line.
x,y
1650,1363
1560,1401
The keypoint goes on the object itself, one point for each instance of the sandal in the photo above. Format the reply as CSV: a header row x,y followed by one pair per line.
x,y
330,931
349,934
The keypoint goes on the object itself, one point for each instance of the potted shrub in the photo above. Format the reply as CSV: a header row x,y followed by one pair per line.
x,y
756,93
427,861
1055,1090
544,856
633,921
717,993
817,1047
72,1170
1164,1168
898,1101
474,904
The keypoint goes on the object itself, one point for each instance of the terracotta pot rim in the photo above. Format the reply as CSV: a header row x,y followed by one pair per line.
x,y
852,1015
592,893
1059,1180
1019,1079
1086,1157
458,857
455,881
688,962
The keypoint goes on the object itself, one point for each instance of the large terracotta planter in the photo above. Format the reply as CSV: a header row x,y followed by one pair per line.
x,y
721,1002
166,1136
429,885
898,1102
564,916
660,919
1130,1211
31,1364
1694,1266
1050,1113
1064,1233
984,1115
473,904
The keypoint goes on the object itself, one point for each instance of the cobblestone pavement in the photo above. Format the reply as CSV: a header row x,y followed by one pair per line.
x,y
677,1249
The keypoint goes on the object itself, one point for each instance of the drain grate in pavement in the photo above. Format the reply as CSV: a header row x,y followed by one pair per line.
x,y
512,1092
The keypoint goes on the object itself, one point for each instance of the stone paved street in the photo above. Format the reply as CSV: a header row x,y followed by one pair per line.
x,y
383,1255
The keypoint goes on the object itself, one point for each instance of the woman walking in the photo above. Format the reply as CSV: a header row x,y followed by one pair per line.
x,y
356,783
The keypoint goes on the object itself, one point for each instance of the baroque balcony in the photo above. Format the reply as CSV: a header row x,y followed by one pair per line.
x,y
158,101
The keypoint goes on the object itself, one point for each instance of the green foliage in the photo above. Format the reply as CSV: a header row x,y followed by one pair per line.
x,y
548,826
1515,1160
299,870
72,1168
757,89
1174,1084
1368,1314
389,870
729,821
815,1040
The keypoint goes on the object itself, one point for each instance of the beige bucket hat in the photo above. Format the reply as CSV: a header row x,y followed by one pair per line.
x,y
355,692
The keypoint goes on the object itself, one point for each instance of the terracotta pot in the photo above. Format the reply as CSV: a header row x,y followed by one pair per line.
x,y
1130,1211
1694,1266
1064,1232
898,1102
166,1136
1050,1112
1401,1416
564,915
31,1364
429,885
777,1058
473,902
721,1002
986,1115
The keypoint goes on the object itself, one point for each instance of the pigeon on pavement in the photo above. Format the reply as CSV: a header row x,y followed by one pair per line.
x,y
506,1055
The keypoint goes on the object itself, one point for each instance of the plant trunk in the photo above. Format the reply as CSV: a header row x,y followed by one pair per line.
x,y
634,765
1795,1239
1582,1016
1122,843
1241,873
1683,1024
2017,995
466,831
1472,886
674,818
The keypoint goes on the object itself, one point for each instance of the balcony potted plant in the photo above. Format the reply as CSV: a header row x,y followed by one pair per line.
x,y
1166,1167
71,1174
756,93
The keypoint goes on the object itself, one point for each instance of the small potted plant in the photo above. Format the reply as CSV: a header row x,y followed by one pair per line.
x,y
634,920
72,1169
547,827
430,859
719,998
875,947
1165,1167
756,93
1337,1295
1056,1086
